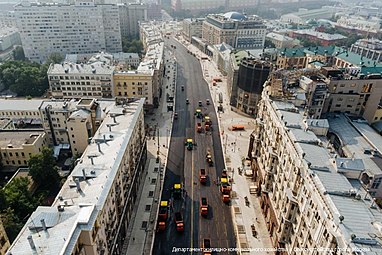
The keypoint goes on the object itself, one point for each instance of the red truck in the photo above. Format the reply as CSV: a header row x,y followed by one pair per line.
x,y
225,190
206,246
179,222
203,206
199,127
162,215
203,176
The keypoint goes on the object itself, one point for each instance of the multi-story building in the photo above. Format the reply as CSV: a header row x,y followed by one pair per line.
x,y
282,41
131,15
309,198
26,110
16,147
303,15
70,80
324,39
4,241
192,27
235,29
9,37
129,60
368,48
83,27
92,212
251,77
134,84
69,124
202,5
359,24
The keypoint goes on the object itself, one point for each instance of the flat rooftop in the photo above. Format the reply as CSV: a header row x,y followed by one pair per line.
x,y
81,208
17,139
20,104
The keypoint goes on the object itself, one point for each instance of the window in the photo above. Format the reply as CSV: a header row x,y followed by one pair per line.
x,y
148,208
151,193
144,224
153,181
17,154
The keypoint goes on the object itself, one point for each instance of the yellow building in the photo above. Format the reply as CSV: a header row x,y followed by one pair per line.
x,y
134,84
16,148
4,241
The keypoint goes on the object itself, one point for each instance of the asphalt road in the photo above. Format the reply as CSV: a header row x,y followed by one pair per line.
x,y
183,167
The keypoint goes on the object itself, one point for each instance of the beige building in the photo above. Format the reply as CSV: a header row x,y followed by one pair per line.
x,y
309,197
20,109
282,41
70,80
16,148
4,241
235,29
92,212
192,27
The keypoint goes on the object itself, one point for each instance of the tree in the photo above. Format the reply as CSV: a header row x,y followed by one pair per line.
x,y
12,224
54,58
131,45
18,53
24,78
43,170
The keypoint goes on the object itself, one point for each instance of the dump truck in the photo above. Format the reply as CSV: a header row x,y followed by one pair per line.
x,y
189,144
177,191
225,190
206,246
209,159
179,222
199,127
203,176
198,114
203,206
162,215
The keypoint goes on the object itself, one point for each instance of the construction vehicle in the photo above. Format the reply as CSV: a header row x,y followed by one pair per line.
x,y
207,123
203,176
189,144
203,206
198,114
179,222
199,127
209,159
206,246
177,191
162,216
225,189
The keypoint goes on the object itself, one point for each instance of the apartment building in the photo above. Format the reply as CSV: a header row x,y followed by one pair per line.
x,y
359,24
282,41
303,15
149,34
202,5
82,27
4,241
21,109
235,29
119,58
324,39
69,124
9,37
308,196
137,84
192,27
368,48
17,147
70,80
131,15
92,212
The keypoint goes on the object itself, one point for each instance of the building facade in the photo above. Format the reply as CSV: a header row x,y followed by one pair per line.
x,y
192,27
83,27
131,15
70,80
305,194
282,41
94,207
235,29
4,241
16,148
368,48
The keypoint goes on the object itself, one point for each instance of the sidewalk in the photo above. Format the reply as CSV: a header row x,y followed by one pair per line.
x,y
235,149
140,236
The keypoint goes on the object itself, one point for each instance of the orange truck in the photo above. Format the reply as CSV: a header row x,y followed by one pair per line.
x,y
179,222
204,206
203,176
225,189
162,215
206,246
199,127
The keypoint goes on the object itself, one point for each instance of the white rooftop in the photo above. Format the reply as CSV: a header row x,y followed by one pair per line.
x,y
81,208
20,105
96,68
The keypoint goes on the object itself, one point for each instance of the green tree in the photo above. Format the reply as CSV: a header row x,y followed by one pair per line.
x,y
11,222
132,45
43,169
54,58
18,53
24,78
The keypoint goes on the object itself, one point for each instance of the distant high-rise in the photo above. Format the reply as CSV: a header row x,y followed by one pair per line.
x,y
130,17
83,27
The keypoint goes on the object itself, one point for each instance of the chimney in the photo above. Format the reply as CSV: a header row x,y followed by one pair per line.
x,y
99,147
83,173
78,184
114,119
91,159
104,138
31,243
43,224
109,126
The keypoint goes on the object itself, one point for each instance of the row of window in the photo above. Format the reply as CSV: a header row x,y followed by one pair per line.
x,y
18,162
18,113
16,154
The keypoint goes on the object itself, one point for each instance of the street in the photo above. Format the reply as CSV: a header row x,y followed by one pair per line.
x,y
183,166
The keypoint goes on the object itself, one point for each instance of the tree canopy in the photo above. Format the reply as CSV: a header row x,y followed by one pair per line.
x,y
24,78
43,170
54,58
131,45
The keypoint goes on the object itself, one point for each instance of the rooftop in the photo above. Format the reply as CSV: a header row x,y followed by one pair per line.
x,y
80,209
71,68
20,104
320,35
18,139
279,37
334,186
